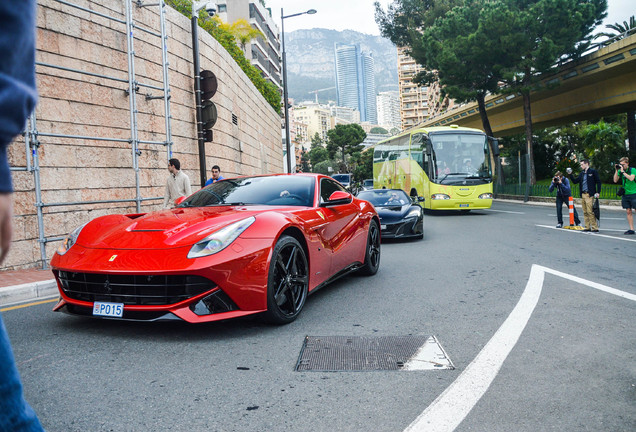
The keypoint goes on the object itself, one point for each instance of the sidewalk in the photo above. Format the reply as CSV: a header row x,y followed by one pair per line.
x,y
23,285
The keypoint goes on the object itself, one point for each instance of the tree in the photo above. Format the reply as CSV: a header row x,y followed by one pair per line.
x,y
317,153
545,32
242,31
466,50
323,167
379,130
362,163
603,145
345,138
453,41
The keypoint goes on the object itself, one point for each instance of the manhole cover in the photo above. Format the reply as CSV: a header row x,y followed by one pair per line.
x,y
362,353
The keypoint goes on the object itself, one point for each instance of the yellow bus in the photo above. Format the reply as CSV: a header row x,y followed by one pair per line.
x,y
449,166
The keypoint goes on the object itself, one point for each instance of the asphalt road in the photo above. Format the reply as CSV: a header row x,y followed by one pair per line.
x,y
572,368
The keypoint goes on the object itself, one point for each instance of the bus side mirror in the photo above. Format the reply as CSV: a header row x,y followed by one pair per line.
x,y
495,146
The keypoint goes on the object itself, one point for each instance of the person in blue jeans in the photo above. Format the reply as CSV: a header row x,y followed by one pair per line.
x,y
562,186
18,96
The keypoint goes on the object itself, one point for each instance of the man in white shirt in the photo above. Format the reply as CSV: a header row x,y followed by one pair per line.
x,y
178,184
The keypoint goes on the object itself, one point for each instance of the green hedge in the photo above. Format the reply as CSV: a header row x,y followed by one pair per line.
x,y
608,191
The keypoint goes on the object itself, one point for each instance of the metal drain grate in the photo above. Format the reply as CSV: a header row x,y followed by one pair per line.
x,y
362,353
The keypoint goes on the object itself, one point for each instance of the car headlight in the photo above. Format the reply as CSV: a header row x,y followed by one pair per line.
x,y
70,240
485,196
440,196
413,214
220,239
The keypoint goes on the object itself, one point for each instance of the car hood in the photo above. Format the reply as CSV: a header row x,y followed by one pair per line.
x,y
393,213
163,229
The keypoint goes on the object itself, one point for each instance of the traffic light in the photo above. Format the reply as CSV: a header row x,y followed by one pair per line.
x,y
209,114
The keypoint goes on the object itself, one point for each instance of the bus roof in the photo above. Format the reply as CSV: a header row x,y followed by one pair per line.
x,y
424,129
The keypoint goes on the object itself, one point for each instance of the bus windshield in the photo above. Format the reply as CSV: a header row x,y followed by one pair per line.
x,y
460,158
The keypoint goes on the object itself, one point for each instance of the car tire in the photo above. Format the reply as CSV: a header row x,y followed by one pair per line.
x,y
372,253
287,282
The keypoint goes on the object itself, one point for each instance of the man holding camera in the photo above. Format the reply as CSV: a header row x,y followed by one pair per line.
x,y
590,183
564,192
628,200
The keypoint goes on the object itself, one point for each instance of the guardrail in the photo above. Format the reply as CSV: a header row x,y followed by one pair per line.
x,y
608,191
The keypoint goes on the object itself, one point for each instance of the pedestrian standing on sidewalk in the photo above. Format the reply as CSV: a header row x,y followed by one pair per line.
x,y
627,176
17,99
177,185
563,195
216,175
590,185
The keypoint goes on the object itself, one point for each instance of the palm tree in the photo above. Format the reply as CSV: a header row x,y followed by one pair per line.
x,y
242,31
621,31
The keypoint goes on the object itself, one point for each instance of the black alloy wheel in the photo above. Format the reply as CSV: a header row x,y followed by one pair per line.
x,y
372,256
288,281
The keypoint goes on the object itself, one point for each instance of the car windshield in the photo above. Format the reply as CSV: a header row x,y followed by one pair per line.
x,y
368,182
385,197
284,190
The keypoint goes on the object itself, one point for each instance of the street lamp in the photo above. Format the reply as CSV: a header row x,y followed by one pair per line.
x,y
210,8
282,32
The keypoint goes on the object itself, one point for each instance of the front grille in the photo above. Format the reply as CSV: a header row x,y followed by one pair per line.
x,y
133,289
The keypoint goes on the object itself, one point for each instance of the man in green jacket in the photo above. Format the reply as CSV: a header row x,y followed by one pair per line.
x,y
628,177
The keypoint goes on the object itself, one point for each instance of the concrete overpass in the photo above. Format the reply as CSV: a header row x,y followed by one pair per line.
x,y
599,84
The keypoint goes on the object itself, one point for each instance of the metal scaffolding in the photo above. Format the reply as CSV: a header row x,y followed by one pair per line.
x,y
32,135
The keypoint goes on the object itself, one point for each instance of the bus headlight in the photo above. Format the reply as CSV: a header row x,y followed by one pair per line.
x,y
440,197
485,196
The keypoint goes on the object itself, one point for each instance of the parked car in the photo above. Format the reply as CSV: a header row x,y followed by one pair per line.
x,y
345,179
400,215
237,247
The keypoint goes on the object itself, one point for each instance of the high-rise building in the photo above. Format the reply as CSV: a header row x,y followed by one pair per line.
x,y
389,110
417,103
355,80
413,99
264,53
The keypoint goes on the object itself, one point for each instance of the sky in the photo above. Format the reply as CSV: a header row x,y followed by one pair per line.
x,y
359,14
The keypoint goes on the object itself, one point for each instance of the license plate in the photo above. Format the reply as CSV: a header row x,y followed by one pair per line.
x,y
108,309
463,205
382,227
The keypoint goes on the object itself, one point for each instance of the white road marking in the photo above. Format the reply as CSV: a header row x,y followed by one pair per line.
x,y
503,211
631,239
431,355
453,405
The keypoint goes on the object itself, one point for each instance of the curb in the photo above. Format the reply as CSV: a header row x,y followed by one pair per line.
x,y
27,291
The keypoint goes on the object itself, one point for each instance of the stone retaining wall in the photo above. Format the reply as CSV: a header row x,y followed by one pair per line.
x,y
73,170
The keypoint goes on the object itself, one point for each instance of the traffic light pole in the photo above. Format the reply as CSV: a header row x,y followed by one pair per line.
x,y
197,95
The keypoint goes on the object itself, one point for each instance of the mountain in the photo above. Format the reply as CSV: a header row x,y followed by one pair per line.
x,y
310,59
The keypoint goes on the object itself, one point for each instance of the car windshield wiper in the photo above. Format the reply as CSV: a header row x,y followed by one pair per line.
x,y
236,203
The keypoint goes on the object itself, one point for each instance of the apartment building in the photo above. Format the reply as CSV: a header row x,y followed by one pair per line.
x,y
265,53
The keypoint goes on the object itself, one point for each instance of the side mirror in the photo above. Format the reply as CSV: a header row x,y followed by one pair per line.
x,y
338,198
179,200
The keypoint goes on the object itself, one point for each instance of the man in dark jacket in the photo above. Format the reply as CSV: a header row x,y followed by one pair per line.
x,y
590,185
562,185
